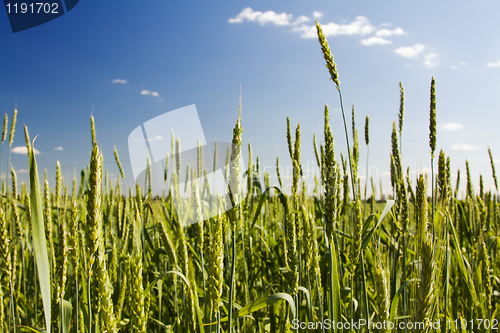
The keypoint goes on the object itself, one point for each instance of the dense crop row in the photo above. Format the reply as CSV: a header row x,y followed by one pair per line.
x,y
93,259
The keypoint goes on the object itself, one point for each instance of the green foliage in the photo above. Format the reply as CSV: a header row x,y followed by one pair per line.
x,y
128,263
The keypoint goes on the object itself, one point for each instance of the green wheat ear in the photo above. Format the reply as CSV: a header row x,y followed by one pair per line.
x,y
13,127
442,177
470,189
493,169
318,161
457,185
278,171
332,68
27,137
215,156
5,124
58,184
234,171
250,167
432,118
367,134
120,168
14,182
401,107
92,129
289,137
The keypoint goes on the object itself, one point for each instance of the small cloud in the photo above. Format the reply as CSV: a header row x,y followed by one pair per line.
x,y
494,64
120,81
155,138
386,24
271,17
431,60
301,19
22,171
22,150
463,63
317,14
149,92
360,26
306,31
459,146
375,41
452,127
58,148
410,51
388,33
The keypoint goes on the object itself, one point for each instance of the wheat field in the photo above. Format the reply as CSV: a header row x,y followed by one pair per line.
x,y
102,258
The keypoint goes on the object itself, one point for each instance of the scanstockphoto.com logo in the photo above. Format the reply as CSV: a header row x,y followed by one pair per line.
x,y
169,154
26,14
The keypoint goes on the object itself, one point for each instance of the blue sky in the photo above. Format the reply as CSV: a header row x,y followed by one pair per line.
x,y
130,61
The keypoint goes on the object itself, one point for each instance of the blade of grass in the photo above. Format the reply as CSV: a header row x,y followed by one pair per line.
x,y
386,210
334,283
263,302
39,242
281,197
308,300
395,300
67,308
462,265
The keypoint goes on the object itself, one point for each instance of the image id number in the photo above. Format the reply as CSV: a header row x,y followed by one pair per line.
x,y
33,8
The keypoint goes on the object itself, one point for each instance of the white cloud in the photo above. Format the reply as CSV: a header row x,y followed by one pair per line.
x,y
58,148
494,64
460,146
22,150
317,14
155,138
149,92
301,19
388,33
431,60
120,81
375,41
360,26
452,127
410,51
306,31
463,63
248,14
22,171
